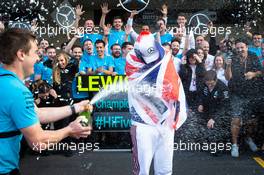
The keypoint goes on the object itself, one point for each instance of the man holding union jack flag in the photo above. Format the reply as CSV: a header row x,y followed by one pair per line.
x,y
157,105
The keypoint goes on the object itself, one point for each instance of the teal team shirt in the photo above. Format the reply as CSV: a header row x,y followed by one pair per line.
x,y
120,64
105,63
45,72
85,62
16,112
116,37
256,50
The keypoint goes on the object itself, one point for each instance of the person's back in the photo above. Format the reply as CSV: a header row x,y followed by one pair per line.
x,y
15,113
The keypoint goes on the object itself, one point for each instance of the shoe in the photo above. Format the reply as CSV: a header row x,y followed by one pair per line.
x,y
234,151
253,147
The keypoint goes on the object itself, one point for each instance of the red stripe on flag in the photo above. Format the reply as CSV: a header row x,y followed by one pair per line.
x,y
134,58
130,69
170,89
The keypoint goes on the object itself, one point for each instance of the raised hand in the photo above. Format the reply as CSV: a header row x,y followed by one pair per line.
x,y
107,29
78,10
133,13
34,26
105,9
164,10
127,29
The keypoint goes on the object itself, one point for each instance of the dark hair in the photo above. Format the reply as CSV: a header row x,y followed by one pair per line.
x,y
40,87
161,19
256,33
87,40
176,40
76,46
116,44
181,14
166,44
210,75
242,40
99,41
13,40
190,54
125,44
50,47
117,17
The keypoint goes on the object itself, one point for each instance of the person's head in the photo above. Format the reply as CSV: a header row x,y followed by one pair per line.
x,y
89,23
219,61
199,39
41,89
175,46
147,48
116,50
190,56
77,52
88,46
242,48
205,47
18,48
117,23
222,45
100,48
162,24
41,52
210,79
145,28
126,47
62,59
51,52
181,20
257,39
43,44
178,32
200,53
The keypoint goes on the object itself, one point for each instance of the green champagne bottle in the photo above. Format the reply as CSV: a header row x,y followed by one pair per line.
x,y
86,117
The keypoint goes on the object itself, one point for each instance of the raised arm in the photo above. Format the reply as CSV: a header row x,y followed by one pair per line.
x,y
133,34
228,70
164,11
78,35
105,10
78,13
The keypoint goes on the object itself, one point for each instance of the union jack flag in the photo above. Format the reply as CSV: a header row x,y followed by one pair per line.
x,y
155,92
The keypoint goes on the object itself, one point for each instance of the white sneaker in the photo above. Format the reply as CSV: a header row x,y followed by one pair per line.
x,y
234,151
253,147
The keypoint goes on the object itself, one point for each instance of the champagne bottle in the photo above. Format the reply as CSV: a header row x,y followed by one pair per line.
x,y
86,117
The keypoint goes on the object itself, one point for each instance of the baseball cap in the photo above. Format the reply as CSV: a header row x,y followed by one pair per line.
x,y
147,47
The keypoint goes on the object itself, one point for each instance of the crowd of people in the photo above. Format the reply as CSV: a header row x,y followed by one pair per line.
x,y
220,79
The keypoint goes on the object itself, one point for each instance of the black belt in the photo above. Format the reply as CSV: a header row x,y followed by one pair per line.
x,y
9,134
13,172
